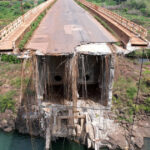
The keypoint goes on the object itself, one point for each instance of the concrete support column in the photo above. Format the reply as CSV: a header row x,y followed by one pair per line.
x,y
111,79
48,137
40,75
74,67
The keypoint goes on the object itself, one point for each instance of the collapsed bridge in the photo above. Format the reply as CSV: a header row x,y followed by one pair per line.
x,y
74,71
74,68
70,87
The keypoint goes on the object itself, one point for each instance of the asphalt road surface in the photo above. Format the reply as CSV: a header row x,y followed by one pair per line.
x,y
65,26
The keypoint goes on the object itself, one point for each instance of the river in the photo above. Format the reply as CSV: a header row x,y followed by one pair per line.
x,y
16,141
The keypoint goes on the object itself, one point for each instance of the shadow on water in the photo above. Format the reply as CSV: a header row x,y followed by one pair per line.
x,y
16,141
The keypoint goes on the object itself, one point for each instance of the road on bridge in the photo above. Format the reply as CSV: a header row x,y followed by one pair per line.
x,y
66,26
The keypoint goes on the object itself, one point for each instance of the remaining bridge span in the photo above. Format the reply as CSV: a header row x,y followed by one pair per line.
x,y
66,26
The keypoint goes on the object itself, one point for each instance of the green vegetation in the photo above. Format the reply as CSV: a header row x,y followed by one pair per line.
x,y
1,83
104,2
10,10
7,101
146,80
146,63
10,74
141,5
16,82
126,107
139,54
10,58
125,101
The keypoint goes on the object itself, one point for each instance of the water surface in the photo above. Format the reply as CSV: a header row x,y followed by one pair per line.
x,y
16,141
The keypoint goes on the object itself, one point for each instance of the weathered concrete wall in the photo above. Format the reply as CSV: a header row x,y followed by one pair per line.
x,y
94,78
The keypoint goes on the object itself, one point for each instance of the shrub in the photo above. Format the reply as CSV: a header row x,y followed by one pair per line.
x,y
119,1
146,106
139,54
140,5
4,4
7,102
147,101
17,12
147,12
16,82
136,4
131,92
40,1
125,9
146,81
143,10
146,72
10,58
1,83
27,5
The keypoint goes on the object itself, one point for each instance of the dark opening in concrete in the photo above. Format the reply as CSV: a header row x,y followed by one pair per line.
x,y
58,78
87,77
53,77
92,78
94,74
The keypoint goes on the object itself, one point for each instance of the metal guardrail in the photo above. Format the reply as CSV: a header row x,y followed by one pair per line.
x,y
19,21
133,27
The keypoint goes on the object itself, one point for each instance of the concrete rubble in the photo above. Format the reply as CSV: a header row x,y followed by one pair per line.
x,y
98,127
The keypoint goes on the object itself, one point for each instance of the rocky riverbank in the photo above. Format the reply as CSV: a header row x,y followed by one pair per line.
x,y
7,121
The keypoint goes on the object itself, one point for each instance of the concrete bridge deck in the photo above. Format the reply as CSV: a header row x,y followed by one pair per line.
x,y
65,27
